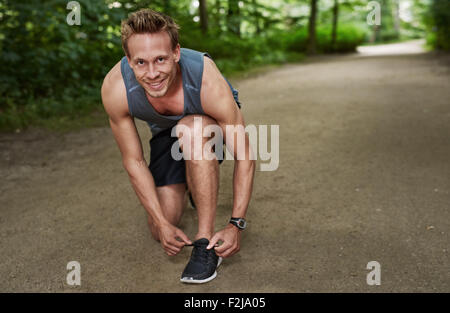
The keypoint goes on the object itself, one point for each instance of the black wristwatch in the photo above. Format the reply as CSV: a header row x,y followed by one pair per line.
x,y
238,222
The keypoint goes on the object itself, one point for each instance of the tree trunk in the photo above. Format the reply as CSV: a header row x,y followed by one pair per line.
x,y
335,25
203,16
396,14
234,19
256,16
311,47
375,33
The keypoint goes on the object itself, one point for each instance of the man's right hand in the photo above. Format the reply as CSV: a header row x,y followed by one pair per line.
x,y
168,235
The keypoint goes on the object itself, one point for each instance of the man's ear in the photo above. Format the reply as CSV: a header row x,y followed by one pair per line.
x,y
177,53
129,61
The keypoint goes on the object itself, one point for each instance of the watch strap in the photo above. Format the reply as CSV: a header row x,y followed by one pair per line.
x,y
240,223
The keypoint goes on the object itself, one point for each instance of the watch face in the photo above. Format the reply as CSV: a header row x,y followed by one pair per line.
x,y
242,223
239,222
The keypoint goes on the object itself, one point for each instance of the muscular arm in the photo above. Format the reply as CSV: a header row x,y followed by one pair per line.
x,y
127,138
218,102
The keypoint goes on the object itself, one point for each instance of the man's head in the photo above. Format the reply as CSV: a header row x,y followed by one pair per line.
x,y
150,42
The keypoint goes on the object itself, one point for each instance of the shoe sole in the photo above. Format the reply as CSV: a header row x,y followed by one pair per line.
x,y
202,281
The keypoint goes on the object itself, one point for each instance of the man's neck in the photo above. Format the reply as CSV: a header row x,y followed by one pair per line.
x,y
172,103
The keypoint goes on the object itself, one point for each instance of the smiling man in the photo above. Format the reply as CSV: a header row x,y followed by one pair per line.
x,y
168,86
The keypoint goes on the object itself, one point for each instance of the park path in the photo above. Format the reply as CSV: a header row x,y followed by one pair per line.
x,y
364,175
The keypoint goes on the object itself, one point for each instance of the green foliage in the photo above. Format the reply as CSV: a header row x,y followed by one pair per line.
x,y
387,31
234,54
349,36
52,72
46,111
49,67
439,35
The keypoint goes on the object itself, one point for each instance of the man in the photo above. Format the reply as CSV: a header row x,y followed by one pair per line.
x,y
167,87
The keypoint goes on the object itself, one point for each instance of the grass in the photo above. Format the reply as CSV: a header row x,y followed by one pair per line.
x,y
261,68
18,120
96,118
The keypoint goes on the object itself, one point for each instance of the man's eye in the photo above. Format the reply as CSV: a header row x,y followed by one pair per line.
x,y
140,62
160,60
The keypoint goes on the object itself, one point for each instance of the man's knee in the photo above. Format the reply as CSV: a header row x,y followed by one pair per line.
x,y
193,132
193,119
173,220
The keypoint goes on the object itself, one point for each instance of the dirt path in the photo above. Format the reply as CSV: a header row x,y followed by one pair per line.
x,y
364,175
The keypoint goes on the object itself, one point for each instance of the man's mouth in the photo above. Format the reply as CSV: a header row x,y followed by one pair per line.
x,y
156,85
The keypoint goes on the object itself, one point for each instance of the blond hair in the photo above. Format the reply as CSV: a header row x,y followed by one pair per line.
x,y
148,21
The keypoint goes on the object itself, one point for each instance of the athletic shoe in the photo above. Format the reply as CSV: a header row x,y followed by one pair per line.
x,y
202,265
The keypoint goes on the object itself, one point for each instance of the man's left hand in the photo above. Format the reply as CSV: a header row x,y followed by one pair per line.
x,y
231,237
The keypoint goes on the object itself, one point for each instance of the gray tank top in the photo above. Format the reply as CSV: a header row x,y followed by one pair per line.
x,y
191,64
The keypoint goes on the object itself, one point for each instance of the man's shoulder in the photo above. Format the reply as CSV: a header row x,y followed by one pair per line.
x,y
193,58
212,77
113,79
216,96
113,91
211,73
190,52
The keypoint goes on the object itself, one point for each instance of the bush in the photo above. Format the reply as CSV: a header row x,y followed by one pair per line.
x,y
234,54
440,30
51,70
47,111
349,37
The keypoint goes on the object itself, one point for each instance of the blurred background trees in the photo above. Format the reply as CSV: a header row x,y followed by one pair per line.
x,y
50,69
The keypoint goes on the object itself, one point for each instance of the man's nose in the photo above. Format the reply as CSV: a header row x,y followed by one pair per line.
x,y
152,72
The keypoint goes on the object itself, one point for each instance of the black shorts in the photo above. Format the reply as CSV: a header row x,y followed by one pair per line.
x,y
164,168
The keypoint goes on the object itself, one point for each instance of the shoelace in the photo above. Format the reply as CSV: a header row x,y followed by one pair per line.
x,y
193,245
200,253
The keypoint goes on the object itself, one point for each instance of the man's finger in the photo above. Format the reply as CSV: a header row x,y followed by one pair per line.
x,y
169,250
213,241
224,247
171,246
174,251
175,248
178,243
183,237
228,252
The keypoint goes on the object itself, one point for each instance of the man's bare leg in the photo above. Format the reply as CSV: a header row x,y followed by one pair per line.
x,y
202,179
173,200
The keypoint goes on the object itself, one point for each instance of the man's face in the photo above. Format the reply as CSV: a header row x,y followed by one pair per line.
x,y
153,61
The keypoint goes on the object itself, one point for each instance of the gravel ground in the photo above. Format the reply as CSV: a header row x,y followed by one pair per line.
x,y
364,175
